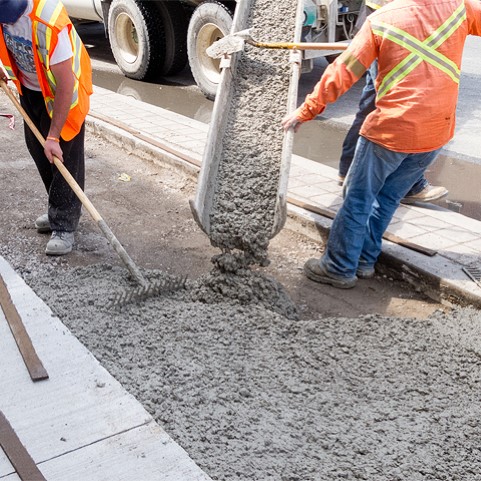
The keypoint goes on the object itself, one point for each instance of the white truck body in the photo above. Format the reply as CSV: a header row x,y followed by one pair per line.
x,y
84,9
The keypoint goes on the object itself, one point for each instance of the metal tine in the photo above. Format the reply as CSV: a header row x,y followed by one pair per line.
x,y
154,288
474,274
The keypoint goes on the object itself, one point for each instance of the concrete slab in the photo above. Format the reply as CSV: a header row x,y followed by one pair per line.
x,y
80,424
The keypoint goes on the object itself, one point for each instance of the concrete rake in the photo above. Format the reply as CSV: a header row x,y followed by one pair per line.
x,y
145,289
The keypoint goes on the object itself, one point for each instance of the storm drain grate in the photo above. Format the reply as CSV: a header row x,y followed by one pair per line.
x,y
474,273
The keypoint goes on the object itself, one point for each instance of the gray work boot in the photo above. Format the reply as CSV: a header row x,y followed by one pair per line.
x,y
364,270
42,224
60,243
428,194
315,271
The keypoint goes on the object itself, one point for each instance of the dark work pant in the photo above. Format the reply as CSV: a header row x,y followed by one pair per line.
x,y
63,205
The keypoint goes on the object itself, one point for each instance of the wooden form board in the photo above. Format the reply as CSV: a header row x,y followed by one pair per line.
x,y
21,460
20,334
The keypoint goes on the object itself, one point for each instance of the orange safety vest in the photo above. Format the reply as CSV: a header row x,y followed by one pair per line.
x,y
419,45
48,19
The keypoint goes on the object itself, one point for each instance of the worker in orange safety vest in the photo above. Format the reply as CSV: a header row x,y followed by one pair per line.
x,y
418,45
43,55
422,190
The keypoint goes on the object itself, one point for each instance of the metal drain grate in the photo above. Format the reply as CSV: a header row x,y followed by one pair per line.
x,y
474,273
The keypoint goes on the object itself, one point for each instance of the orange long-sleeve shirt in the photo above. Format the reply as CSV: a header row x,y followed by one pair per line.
x,y
415,112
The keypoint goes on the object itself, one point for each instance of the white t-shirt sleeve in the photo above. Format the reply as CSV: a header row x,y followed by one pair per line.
x,y
63,50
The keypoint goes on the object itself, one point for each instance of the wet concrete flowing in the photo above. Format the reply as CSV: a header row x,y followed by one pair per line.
x,y
244,205
250,387
252,395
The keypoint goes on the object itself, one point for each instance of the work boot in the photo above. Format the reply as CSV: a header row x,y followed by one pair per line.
x,y
60,243
365,272
42,224
315,271
428,194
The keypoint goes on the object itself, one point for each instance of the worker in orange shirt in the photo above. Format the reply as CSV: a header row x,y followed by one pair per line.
x,y
422,190
418,45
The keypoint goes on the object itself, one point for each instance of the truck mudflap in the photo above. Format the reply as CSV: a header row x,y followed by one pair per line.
x,y
240,201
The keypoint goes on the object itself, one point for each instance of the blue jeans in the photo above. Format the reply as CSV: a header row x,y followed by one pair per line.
x,y
377,181
367,104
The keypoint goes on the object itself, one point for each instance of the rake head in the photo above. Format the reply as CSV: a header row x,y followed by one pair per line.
x,y
474,273
152,289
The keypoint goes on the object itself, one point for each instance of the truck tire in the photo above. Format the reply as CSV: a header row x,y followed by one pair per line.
x,y
210,21
137,39
174,20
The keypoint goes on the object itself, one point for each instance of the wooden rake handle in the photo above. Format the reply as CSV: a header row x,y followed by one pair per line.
x,y
301,45
134,270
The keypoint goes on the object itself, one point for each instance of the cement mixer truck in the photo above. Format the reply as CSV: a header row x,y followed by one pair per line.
x,y
157,38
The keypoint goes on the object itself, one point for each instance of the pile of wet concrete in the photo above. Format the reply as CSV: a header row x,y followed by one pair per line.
x,y
253,395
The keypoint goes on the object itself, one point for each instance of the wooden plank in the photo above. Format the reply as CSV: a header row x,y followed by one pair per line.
x,y
157,143
387,235
17,454
32,361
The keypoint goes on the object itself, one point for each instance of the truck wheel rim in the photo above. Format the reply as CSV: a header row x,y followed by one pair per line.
x,y
208,34
127,38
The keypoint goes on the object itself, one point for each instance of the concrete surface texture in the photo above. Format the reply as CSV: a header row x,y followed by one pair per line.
x,y
244,210
246,391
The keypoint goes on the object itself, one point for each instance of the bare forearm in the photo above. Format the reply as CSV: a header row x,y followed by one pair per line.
x,y
61,107
63,97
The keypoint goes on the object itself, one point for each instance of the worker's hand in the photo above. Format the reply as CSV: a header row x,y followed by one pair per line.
x,y
52,148
3,75
291,122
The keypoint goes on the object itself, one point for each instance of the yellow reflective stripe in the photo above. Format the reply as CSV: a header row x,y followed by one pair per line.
x,y
51,80
77,49
10,72
376,4
420,50
76,65
49,104
448,27
352,64
417,47
40,39
399,72
50,11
